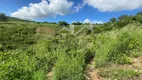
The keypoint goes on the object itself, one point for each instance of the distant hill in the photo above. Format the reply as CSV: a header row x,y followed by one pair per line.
x,y
16,19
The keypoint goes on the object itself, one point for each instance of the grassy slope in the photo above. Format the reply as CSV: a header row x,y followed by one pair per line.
x,y
116,52
67,56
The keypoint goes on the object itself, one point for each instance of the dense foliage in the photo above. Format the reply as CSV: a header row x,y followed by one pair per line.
x,y
77,23
3,17
63,23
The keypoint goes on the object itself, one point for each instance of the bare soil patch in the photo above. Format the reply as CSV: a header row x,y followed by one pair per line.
x,y
45,30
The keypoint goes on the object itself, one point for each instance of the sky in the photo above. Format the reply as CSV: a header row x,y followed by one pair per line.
x,y
86,11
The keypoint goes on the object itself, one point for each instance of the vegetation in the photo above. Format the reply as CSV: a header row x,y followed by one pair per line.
x,y
77,23
3,17
39,51
63,23
118,74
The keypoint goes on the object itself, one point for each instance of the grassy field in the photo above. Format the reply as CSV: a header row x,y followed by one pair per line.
x,y
40,51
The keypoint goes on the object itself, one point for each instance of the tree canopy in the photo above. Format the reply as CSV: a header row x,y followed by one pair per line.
x,y
3,17
63,23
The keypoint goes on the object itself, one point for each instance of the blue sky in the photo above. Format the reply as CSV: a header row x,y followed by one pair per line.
x,y
64,10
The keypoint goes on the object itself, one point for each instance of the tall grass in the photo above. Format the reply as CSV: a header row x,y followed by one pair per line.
x,y
117,46
65,56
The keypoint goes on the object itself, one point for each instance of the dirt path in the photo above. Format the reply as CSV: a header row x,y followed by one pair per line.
x,y
45,30
92,73
136,65
49,75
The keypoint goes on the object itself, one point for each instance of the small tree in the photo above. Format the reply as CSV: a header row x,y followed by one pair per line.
x,y
63,23
138,18
124,20
87,23
123,17
113,20
139,13
3,17
53,23
77,23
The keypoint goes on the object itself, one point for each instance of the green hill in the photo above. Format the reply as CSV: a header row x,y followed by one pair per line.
x,y
40,51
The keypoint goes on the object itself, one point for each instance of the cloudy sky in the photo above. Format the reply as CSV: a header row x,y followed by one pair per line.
x,y
93,11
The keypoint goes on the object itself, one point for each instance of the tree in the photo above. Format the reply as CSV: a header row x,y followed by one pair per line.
x,y
139,13
52,22
87,23
77,23
63,23
46,22
124,20
113,20
123,17
3,17
138,18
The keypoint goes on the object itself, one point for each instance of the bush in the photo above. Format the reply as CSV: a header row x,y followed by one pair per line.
x,y
103,43
122,48
15,65
69,68
103,28
45,53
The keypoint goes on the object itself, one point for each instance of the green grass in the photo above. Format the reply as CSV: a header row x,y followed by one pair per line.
x,y
26,55
117,46
118,74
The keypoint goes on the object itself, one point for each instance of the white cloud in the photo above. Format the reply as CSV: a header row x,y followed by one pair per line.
x,y
98,22
114,5
76,21
87,21
92,22
78,7
49,8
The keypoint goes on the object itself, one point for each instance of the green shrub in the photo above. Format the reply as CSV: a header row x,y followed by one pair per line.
x,y
15,66
118,73
119,52
39,75
45,53
118,46
70,68
19,65
103,28
103,43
